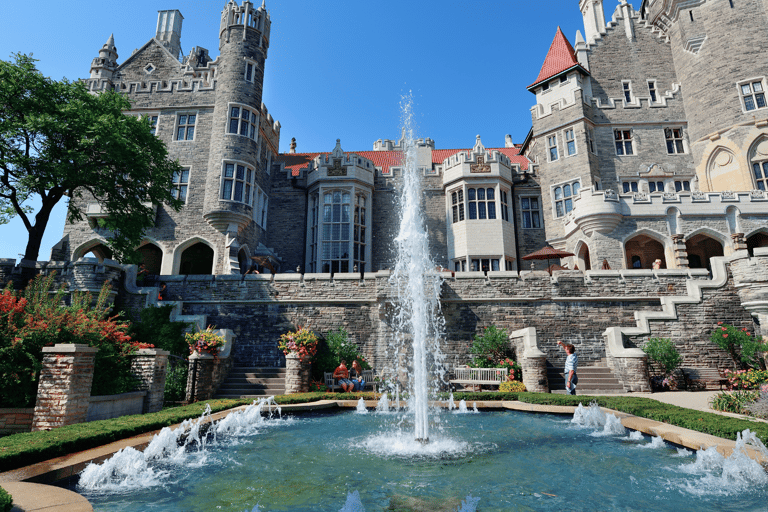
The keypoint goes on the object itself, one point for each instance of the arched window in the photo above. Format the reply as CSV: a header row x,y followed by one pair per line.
x,y
151,258
700,249
196,259
642,250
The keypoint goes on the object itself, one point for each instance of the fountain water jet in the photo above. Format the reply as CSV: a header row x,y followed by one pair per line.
x,y
418,315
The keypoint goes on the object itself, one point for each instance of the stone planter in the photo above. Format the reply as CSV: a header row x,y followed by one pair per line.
x,y
296,375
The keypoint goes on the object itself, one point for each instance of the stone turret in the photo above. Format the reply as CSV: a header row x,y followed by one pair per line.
x,y
594,18
103,67
169,30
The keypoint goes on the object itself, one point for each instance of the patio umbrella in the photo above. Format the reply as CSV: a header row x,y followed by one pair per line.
x,y
264,261
547,253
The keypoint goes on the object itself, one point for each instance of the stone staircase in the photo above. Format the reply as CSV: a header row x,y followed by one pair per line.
x,y
592,379
252,382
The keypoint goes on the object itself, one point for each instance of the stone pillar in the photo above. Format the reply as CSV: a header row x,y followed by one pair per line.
x,y
630,365
200,377
535,374
739,242
750,276
296,375
150,367
680,251
64,390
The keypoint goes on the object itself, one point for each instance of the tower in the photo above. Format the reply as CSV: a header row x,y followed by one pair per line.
x,y
239,155
103,67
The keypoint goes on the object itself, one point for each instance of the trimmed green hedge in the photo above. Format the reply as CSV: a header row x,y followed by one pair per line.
x,y
28,448
6,502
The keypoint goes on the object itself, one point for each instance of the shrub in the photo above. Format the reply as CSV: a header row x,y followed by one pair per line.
x,y
335,347
154,327
490,348
176,382
317,386
735,402
6,502
35,318
746,379
663,354
512,386
514,369
745,350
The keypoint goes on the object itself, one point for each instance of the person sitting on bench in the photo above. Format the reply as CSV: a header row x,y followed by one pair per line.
x,y
341,374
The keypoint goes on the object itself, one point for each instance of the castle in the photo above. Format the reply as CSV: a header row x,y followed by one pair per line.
x,y
649,141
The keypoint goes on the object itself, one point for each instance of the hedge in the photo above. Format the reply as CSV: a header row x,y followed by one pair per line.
x,y
20,450
6,502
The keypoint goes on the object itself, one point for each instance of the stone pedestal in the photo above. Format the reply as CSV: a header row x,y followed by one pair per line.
x,y
630,365
296,375
64,390
535,374
150,368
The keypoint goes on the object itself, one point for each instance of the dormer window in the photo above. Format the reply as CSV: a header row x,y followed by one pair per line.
x,y
545,86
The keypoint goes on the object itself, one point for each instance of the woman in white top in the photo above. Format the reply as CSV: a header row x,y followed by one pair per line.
x,y
571,362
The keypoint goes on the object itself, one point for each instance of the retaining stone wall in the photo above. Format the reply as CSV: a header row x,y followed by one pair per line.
x,y
14,421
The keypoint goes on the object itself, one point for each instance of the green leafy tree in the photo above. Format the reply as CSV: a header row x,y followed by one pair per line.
x,y
490,348
335,347
57,140
663,354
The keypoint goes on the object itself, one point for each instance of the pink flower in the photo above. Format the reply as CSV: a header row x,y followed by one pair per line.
x,y
725,335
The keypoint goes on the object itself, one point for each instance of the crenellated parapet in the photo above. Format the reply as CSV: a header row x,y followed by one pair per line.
x,y
247,17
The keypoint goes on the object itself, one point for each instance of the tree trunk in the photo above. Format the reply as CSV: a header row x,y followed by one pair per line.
x,y
32,251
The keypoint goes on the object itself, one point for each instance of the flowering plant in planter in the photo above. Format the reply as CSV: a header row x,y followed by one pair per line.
x,y
302,342
515,370
205,341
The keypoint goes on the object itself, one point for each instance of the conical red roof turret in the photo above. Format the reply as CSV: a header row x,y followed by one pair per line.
x,y
561,57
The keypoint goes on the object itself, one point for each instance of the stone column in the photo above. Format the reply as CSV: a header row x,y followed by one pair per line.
x,y
150,366
630,365
296,375
200,377
680,251
64,390
535,374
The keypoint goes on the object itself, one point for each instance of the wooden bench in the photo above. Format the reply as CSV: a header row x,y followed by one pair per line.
x,y
478,376
368,376
703,378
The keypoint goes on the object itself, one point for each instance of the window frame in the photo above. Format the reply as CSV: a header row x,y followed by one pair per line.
x,y
177,185
504,196
591,142
552,145
186,125
530,210
570,143
753,95
482,207
564,199
623,142
760,165
252,63
248,187
678,142
627,93
251,123
653,92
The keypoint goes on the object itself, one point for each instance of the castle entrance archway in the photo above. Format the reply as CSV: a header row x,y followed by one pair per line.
x,y
642,250
151,257
700,249
759,239
196,259
582,258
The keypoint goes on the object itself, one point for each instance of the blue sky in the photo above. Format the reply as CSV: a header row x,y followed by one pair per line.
x,y
335,69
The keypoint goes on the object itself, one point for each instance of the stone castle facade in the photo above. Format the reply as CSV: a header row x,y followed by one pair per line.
x,y
644,145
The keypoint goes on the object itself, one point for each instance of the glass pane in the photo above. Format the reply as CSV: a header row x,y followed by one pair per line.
x,y
527,220
571,148
326,232
240,172
182,120
679,146
191,119
356,234
559,208
327,213
235,112
617,135
185,176
760,185
461,196
326,251
534,203
660,186
345,197
344,232
619,148
357,215
526,203
749,103
495,265
472,210
355,252
336,213
553,154
576,187
625,187
670,146
568,205
344,266
455,217
335,231
471,194
227,193
246,114
558,193
535,218
481,209
244,128
652,186
335,251
233,125
678,186
362,234
765,169
180,134
454,198
252,133
491,210
634,186
345,213
248,175
362,216
567,191
336,196
238,191
183,192
475,265
481,194
667,133
461,211
745,89
628,148
687,186
757,86
190,132
760,100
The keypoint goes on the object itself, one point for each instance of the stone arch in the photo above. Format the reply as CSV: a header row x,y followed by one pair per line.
x,y
647,246
244,259
583,258
95,246
704,244
151,256
758,162
757,238
723,169
185,263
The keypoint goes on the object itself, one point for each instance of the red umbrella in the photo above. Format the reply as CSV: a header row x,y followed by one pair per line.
x,y
547,253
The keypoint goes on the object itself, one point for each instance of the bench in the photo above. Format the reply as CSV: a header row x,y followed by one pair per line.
x,y
478,376
330,382
703,378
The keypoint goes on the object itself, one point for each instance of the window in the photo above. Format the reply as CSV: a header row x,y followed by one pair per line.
x,y
243,122
682,186
313,231
563,197
236,183
674,137
249,74
753,95
485,264
570,143
623,139
180,184
655,186
185,126
530,210
457,204
627,92
629,186
335,246
504,206
591,140
460,265
481,203
652,90
552,145
359,241
508,264
760,170
260,206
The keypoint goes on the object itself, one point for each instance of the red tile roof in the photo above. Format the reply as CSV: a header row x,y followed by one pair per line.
x,y
560,57
386,159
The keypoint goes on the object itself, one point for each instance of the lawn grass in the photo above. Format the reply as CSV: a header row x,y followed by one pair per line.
x,y
23,449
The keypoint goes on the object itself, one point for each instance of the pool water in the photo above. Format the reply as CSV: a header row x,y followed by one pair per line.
x,y
509,460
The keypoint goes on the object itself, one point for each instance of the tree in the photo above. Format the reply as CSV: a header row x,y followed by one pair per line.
x,y
57,140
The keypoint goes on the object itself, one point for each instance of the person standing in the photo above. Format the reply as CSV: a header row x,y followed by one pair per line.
x,y
571,362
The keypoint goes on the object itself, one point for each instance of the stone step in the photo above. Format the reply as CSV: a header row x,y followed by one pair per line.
x,y
250,379
250,391
257,393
